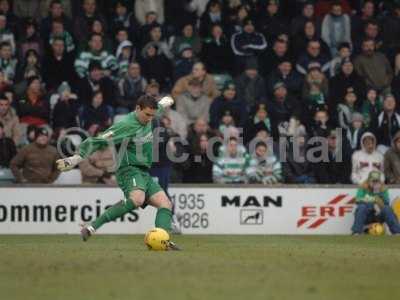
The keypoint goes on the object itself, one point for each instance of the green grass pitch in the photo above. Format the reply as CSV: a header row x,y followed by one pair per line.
x,y
210,267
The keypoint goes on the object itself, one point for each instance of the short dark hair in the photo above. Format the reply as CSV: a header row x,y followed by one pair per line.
x,y
261,144
53,2
4,44
147,101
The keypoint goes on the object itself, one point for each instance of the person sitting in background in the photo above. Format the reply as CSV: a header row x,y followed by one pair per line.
x,y
194,103
58,31
8,64
5,34
155,37
343,54
34,109
66,109
30,39
36,162
9,120
336,28
315,88
199,170
96,113
258,121
289,76
313,54
228,101
346,109
366,160
355,131
373,204
392,161
250,86
130,88
56,12
297,169
7,149
199,72
213,15
97,168
232,163
371,108
184,61
95,52
264,167
199,127
30,66
337,167
82,23
388,122
216,52
125,54
188,36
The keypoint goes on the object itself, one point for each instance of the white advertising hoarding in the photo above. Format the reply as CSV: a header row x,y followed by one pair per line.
x,y
200,210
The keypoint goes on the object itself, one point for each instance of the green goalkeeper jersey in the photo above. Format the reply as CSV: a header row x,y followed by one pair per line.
x,y
131,140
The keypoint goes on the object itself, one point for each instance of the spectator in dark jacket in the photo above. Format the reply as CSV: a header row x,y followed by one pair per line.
x,y
7,149
184,62
313,55
216,52
273,57
58,60
270,23
307,14
82,24
56,12
66,110
213,15
250,86
388,122
392,161
97,113
247,43
228,101
288,75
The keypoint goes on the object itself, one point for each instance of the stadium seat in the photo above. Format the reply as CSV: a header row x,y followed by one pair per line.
x,y
71,177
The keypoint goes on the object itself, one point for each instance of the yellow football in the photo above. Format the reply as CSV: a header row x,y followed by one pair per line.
x,y
157,239
376,229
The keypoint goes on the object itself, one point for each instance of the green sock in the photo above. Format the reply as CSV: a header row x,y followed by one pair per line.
x,y
114,212
164,219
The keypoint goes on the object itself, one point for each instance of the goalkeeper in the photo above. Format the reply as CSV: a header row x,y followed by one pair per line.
x,y
373,204
134,137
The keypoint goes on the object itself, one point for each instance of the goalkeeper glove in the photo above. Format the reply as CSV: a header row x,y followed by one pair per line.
x,y
166,101
68,163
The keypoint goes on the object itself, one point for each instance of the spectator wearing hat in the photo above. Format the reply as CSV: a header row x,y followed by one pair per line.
x,y
9,120
336,167
95,52
216,52
388,122
346,109
315,88
247,43
94,82
228,101
281,108
33,108
264,167
336,28
338,85
288,75
274,56
130,88
313,55
258,121
355,131
82,23
183,64
66,109
392,161
194,103
270,23
36,162
373,205
7,148
58,59
373,67
156,66
125,54
250,86
366,160
199,72
188,36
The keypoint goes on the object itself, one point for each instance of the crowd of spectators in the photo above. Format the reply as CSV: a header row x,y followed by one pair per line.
x,y
289,70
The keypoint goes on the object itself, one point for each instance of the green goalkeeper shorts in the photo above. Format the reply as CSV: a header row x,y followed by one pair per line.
x,y
132,178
